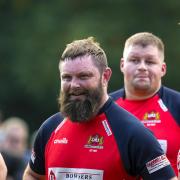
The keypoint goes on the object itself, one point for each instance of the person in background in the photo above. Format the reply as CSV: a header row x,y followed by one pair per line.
x,y
3,169
155,105
97,139
14,146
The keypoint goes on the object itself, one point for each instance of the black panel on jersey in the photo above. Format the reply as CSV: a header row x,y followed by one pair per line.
x,y
171,99
117,94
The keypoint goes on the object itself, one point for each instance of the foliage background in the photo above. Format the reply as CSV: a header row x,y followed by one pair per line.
x,y
33,34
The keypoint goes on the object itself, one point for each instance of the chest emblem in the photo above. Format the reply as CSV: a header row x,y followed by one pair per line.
x,y
153,115
95,142
151,118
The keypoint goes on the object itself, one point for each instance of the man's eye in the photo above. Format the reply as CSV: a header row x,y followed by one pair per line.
x,y
150,62
66,78
84,76
134,60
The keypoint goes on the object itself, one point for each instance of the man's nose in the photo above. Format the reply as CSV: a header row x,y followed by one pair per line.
x,y
142,65
75,82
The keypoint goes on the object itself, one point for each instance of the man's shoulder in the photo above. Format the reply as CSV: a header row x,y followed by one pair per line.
x,y
168,92
52,122
117,94
171,99
120,118
169,96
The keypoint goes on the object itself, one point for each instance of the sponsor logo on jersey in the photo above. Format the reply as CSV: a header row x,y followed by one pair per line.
x,y
157,164
106,127
151,118
78,176
57,173
61,141
95,141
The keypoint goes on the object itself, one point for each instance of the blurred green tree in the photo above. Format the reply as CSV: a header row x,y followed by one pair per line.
x,y
33,35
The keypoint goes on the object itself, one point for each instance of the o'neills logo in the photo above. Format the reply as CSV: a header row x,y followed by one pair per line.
x,y
52,176
95,141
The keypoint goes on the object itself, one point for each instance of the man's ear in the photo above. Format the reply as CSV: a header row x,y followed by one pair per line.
x,y
163,69
121,64
106,75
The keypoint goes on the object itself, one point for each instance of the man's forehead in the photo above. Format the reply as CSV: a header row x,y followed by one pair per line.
x,y
79,64
141,46
150,50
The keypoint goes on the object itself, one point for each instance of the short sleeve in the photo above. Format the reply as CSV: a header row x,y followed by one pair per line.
x,y
37,160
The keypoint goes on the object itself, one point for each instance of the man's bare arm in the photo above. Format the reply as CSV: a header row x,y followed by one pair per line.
x,y
29,174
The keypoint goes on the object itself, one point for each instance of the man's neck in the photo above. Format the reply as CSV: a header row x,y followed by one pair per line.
x,y
104,99
139,95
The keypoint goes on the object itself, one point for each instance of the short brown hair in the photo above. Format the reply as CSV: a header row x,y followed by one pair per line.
x,y
144,39
84,47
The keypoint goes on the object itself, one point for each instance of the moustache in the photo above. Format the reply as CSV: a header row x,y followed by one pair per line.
x,y
77,92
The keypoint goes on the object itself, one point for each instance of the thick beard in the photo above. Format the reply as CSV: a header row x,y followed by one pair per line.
x,y
81,110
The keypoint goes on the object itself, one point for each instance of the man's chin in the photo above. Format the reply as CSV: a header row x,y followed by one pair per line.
x,y
142,86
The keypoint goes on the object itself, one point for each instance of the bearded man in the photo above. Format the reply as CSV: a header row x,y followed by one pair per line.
x,y
96,139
